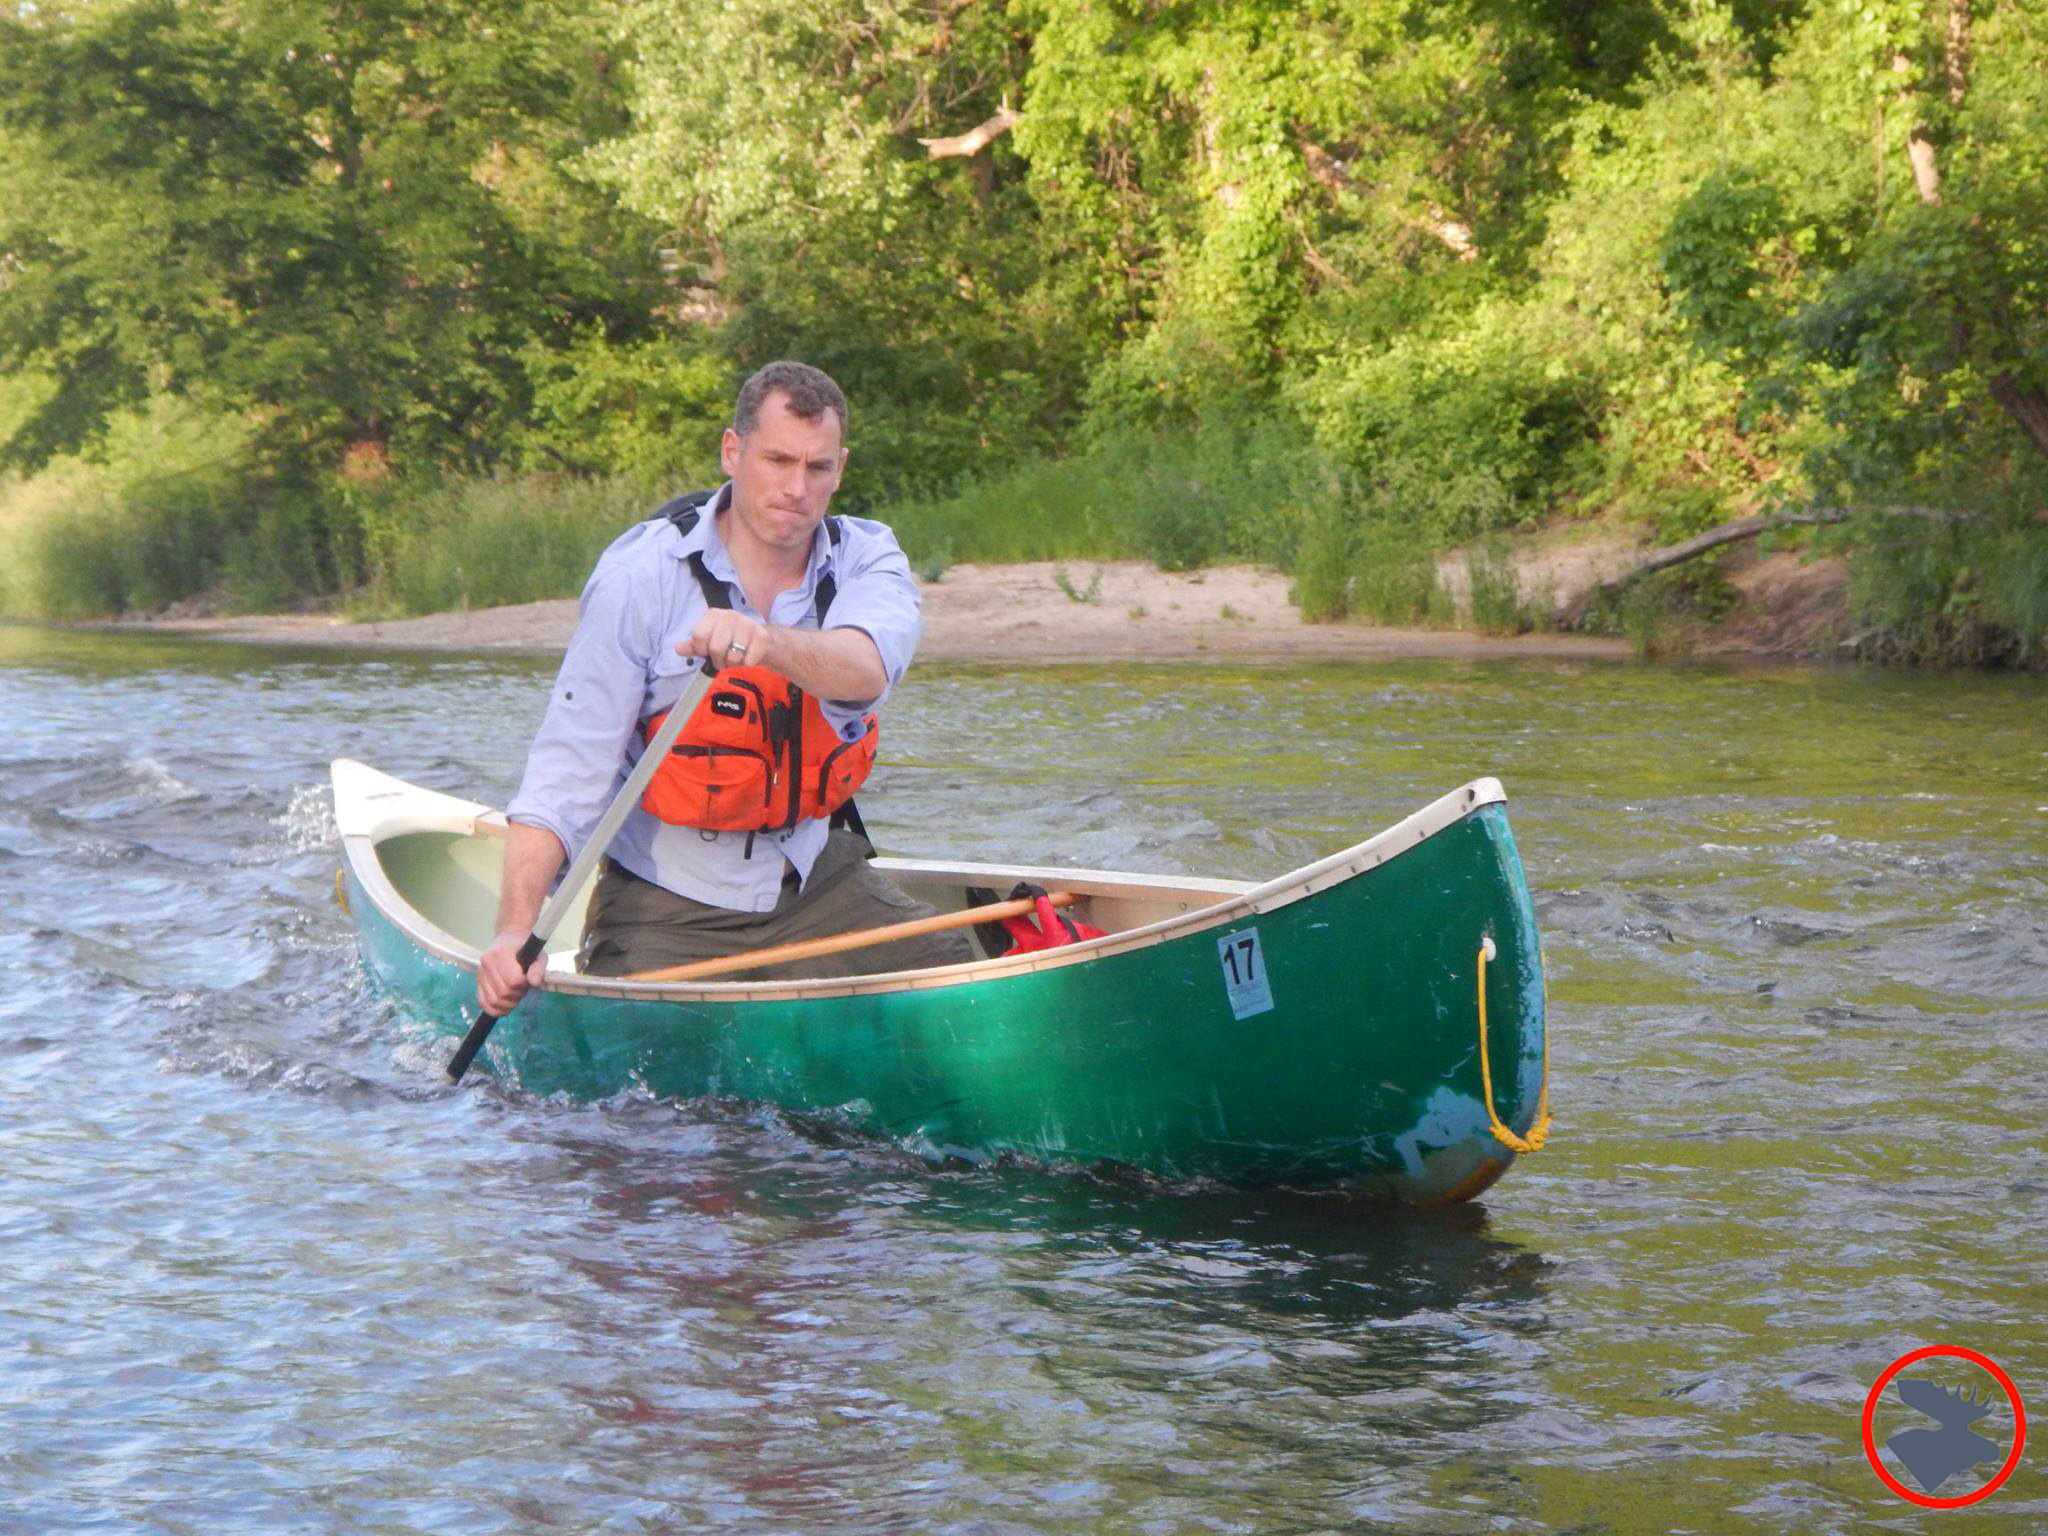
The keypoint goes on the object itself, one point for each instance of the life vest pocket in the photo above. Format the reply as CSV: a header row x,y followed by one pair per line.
x,y
734,712
844,769
722,789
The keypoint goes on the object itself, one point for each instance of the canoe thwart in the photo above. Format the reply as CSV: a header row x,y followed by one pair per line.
x,y
839,943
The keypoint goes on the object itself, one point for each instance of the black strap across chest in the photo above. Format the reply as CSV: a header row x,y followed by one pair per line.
x,y
684,512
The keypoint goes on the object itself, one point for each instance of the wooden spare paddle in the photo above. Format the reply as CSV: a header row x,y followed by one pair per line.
x,y
839,943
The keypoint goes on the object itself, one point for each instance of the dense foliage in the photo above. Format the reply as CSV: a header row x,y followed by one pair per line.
x,y
292,292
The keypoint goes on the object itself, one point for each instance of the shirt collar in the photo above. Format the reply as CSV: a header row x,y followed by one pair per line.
x,y
703,539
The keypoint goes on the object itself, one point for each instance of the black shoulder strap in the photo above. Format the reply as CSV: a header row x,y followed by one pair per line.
x,y
827,587
715,593
684,509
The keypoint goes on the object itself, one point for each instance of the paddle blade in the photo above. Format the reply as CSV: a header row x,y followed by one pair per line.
x,y
480,1031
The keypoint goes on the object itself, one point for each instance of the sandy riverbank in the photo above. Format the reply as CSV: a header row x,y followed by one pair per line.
x,y
1086,611
1121,610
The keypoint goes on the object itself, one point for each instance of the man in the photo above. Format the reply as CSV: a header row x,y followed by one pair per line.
x,y
814,618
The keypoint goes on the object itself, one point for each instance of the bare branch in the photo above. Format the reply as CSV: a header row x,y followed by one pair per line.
x,y
1453,232
975,139
1926,177
1325,167
1574,613
1330,172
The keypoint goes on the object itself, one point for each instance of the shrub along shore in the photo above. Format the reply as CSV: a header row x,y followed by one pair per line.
x,y
472,546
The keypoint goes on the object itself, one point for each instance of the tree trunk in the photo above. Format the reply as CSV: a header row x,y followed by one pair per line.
x,y
2025,404
2022,401
1926,176
1574,613
1919,148
1958,50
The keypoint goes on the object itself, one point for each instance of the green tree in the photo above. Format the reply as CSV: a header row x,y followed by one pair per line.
x,y
810,165
1873,267
1901,293
344,219
1254,186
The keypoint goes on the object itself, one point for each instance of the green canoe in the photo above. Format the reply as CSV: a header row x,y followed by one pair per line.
x,y
1371,1020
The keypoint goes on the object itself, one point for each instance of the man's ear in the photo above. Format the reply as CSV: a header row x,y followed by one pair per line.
x,y
729,453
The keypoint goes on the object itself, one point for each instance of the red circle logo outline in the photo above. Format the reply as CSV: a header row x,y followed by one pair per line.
x,y
2012,1395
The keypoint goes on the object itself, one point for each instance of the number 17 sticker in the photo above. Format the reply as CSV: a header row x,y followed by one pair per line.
x,y
1244,973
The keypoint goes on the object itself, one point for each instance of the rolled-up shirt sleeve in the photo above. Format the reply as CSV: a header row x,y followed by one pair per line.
x,y
878,596
579,756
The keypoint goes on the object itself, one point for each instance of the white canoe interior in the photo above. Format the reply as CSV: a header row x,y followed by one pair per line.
x,y
431,863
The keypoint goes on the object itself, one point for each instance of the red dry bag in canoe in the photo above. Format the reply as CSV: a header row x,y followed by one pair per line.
x,y
1044,927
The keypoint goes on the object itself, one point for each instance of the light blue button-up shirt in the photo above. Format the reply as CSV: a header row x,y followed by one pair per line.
x,y
621,668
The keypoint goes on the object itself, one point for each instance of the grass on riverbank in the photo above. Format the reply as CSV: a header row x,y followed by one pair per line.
x,y
182,521
482,543
1179,500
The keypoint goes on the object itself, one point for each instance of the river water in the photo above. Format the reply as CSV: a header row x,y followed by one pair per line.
x,y
265,1272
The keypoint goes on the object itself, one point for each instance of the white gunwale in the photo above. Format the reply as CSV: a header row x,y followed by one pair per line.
x,y
370,806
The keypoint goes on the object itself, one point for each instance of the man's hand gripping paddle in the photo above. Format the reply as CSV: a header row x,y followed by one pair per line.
x,y
557,906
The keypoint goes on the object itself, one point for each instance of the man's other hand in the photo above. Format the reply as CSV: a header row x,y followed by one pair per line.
x,y
500,984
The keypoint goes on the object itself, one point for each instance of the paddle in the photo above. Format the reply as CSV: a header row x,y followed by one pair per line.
x,y
557,906
858,938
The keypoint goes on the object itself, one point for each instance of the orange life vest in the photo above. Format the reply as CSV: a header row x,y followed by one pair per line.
x,y
757,753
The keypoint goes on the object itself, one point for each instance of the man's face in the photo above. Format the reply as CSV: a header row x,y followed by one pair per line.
x,y
783,473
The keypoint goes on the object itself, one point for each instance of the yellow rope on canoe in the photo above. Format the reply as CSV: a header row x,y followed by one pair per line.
x,y
1539,1132
341,890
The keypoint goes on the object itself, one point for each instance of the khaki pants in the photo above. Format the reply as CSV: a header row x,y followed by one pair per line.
x,y
635,925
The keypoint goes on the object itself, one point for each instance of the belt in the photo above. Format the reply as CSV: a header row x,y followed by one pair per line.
x,y
791,880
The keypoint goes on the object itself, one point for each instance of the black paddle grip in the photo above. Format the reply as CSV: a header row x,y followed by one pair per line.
x,y
480,1031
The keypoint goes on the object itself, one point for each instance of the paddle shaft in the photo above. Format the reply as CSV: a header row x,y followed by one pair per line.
x,y
557,905
859,938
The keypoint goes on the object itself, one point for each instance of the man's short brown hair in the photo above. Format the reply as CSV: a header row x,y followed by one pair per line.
x,y
808,390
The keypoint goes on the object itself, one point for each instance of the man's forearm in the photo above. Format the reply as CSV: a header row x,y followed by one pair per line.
x,y
533,857
837,664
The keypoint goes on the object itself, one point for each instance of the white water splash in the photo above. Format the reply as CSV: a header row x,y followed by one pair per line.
x,y
308,821
155,779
